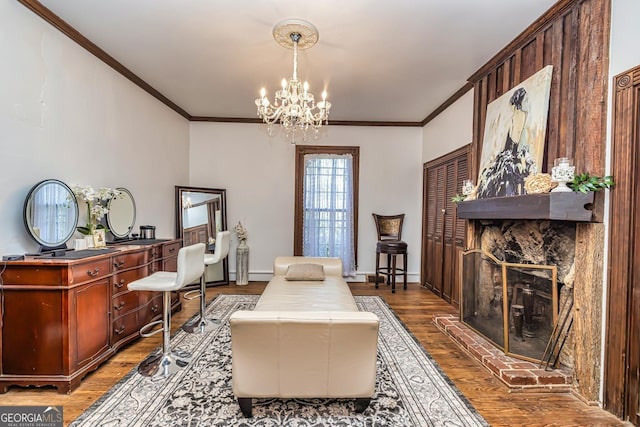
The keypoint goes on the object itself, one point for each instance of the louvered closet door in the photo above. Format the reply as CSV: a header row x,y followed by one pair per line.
x,y
459,230
431,178
444,235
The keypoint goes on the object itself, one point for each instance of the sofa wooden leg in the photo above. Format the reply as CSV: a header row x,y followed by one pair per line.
x,y
245,406
362,404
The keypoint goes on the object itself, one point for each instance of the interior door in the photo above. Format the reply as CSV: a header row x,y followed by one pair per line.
x,y
444,235
622,339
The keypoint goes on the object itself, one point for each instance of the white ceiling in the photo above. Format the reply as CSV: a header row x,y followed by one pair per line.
x,y
379,60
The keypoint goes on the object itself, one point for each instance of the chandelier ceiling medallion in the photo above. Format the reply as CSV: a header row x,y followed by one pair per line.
x,y
294,106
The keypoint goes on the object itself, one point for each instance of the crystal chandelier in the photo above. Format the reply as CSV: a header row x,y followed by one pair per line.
x,y
294,105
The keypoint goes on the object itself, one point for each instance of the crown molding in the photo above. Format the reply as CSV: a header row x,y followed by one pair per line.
x,y
53,19
446,104
46,14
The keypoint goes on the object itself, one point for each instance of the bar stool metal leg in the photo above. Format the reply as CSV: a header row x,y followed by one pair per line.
x,y
164,362
201,325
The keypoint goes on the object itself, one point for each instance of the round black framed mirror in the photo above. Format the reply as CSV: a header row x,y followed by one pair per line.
x,y
122,214
51,214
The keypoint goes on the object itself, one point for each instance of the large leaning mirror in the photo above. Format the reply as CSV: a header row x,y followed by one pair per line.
x,y
200,214
122,214
51,214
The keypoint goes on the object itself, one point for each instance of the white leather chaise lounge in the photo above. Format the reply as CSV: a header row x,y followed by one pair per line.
x,y
305,338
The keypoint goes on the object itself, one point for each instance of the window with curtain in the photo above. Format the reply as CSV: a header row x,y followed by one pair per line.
x,y
326,203
53,216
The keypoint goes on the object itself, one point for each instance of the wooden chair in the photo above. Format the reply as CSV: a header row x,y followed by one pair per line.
x,y
389,228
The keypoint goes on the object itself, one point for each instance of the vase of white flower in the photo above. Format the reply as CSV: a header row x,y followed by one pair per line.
x,y
96,202
242,256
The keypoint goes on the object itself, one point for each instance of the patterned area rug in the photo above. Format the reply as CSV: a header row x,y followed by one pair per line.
x,y
411,389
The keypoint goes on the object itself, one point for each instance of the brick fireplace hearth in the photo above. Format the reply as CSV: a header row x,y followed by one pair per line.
x,y
517,374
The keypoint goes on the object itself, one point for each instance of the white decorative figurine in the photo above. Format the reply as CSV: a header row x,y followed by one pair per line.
x,y
562,172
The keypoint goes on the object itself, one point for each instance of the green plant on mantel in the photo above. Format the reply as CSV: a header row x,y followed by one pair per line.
x,y
459,198
584,182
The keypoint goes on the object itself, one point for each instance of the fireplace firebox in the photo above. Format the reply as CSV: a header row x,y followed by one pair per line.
x,y
514,306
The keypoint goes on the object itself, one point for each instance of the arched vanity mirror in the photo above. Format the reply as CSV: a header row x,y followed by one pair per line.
x,y
200,214
122,214
51,214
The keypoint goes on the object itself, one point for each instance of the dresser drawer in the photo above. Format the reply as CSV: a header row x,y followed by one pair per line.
x,y
90,270
152,310
124,303
130,260
122,278
170,249
145,296
125,325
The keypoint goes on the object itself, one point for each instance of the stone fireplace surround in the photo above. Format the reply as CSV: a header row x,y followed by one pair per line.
x,y
536,242
539,242
553,229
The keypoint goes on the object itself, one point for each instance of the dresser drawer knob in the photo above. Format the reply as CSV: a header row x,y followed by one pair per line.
x,y
154,308
119,330
172,250
119,306
118,264
120,283
93,273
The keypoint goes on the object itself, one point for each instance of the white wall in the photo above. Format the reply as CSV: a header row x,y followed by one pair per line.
x,y
450,130
258,173
624,53
64,114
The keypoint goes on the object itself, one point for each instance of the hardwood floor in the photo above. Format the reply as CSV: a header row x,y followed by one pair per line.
x,y
415,307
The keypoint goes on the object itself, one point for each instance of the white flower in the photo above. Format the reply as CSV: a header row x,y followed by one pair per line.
x,y
241,231
96,204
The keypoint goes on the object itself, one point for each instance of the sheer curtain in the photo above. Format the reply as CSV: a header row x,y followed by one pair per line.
x,y
51,213
328,208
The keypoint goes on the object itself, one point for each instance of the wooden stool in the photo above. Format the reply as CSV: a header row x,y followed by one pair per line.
x,y
392,248
389,228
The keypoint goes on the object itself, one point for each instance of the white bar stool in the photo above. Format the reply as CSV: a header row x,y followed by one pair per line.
x,y
204,325
165,362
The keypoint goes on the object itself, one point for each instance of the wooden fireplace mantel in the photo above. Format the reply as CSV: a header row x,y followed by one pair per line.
x,y
558,206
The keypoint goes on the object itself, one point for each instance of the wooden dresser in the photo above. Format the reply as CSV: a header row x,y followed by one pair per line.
x,y
62,318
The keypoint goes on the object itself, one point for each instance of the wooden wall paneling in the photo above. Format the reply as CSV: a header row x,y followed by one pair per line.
x,y
528,60
623,255
506,76
587,318
573,35
554,50
632,401
500,80
568,86
491,87
591,85
517,69
540,51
